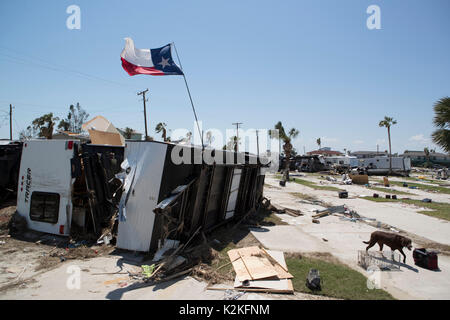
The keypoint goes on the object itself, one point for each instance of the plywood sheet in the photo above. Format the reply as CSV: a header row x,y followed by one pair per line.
x,y
250,263
281,267
274,286
259,267
241,271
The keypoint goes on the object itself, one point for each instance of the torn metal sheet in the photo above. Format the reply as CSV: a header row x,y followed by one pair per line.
x,y
135,232
168,244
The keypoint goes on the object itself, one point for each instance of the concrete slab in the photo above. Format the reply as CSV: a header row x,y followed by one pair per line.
x,y
344,239
399,215
288,239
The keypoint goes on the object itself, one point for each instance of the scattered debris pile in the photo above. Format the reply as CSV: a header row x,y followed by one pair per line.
x,y
279,209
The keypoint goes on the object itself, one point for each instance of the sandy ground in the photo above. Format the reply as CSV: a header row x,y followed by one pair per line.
x,y
31,267
401,216
106,278
344,238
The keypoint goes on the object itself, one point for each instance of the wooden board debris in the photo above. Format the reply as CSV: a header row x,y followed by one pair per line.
x,y
260,270
251,264
272,286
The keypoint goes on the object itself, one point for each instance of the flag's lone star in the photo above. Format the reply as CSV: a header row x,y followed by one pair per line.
x,y
164,62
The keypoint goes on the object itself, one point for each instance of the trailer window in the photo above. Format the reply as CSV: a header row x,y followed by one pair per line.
x,y
44,207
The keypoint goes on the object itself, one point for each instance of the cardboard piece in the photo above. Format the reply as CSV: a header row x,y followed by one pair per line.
x,y
359,179
100,127
105,138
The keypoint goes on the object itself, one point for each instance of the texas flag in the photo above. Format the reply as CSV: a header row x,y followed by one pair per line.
x,y
155,62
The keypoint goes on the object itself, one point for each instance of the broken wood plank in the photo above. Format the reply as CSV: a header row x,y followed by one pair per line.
x,y
271,286
293,212
322,214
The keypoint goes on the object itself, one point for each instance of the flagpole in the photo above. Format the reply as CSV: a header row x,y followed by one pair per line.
x,y
190,97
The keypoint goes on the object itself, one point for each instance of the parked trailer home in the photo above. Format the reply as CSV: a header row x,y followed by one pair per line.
x,y
380,165
164,199
61,182
341,161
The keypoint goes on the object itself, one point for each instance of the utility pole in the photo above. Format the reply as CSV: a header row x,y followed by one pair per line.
x,y
257,143
145,111
10,122
237,124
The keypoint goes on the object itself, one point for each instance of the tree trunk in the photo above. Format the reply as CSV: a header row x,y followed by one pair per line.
x,y
390,150
287,153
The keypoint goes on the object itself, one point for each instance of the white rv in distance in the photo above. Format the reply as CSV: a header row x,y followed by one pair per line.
x,y
380,165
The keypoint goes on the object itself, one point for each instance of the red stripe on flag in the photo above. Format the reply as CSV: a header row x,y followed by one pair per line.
x,y
133,69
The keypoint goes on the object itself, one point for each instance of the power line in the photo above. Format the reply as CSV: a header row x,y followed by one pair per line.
x,y
54,67
10,121
237,124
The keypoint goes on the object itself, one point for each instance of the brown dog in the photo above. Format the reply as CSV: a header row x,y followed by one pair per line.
x,y
394,241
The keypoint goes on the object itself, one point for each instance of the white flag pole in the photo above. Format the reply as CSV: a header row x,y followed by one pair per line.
x,y
189,93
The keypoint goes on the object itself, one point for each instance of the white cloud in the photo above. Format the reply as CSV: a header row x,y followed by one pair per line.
x,y
358,142
328,140
419,138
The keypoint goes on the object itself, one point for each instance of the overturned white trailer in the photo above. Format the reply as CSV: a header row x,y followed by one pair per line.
x,y
166,197
61,181
151,193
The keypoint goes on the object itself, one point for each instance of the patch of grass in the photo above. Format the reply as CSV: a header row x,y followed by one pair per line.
x,y
221,262
338,281
426,180
228,239
387,190
265,217
424,187
439,210
314,185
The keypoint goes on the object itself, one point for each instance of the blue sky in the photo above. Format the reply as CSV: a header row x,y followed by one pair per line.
x,y
314,65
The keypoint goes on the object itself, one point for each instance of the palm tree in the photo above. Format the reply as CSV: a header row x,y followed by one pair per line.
x,y
427,155
128,133
161,127
232,144
319,143
287,146
188,137
209,138
388,122
441,136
